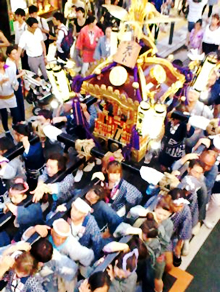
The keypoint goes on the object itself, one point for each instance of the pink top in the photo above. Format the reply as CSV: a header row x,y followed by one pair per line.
x,y
87,42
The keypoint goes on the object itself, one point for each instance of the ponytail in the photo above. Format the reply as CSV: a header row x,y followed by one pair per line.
x,y
23,128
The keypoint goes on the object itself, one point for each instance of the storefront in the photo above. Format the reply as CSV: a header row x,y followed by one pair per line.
x,y
46,7
8,7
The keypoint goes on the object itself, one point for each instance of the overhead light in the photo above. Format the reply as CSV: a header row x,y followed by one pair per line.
x,y
54,104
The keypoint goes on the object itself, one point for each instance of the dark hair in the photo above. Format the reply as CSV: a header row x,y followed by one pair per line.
x,y
208,153
131,263
199,21
2,57
150,226
177,193
32,9
20,11
99,191
98,280
80,9
90,19
165,203
47,114
114,167
61,160
42,250
10,49
194,162
31,21
24,129
17,186
136,242
6,143
59,16
177,62
215,15
108,26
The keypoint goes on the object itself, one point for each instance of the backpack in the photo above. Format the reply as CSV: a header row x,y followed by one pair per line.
x,y
67,40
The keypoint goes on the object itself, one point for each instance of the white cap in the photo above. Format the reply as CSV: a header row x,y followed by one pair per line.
x,y
82,206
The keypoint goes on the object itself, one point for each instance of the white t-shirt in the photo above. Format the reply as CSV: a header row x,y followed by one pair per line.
x,y
11,64
42,23
195,10
211,36
62,31
32,43
19,29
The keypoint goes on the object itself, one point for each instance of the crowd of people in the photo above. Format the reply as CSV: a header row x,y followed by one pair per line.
x,y
161,224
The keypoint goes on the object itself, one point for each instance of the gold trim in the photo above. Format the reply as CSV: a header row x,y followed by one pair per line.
x,y
7,96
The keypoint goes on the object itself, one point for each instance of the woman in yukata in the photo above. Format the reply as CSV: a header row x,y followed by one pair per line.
x,y
181,218
97,282
122,195
163,227
123,271
182,225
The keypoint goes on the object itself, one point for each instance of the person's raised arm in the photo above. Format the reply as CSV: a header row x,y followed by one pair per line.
x,y
4,41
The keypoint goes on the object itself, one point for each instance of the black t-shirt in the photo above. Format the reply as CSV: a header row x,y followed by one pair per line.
x,y
78,27
173,144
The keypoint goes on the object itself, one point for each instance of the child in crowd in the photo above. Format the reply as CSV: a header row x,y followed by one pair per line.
x,y
196,36
163,228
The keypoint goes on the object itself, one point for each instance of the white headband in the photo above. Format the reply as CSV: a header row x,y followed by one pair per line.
x,y
128,255
82,206
63,234
180,201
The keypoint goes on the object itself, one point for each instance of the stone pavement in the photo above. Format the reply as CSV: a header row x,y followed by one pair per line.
x,y
179,39
180,32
